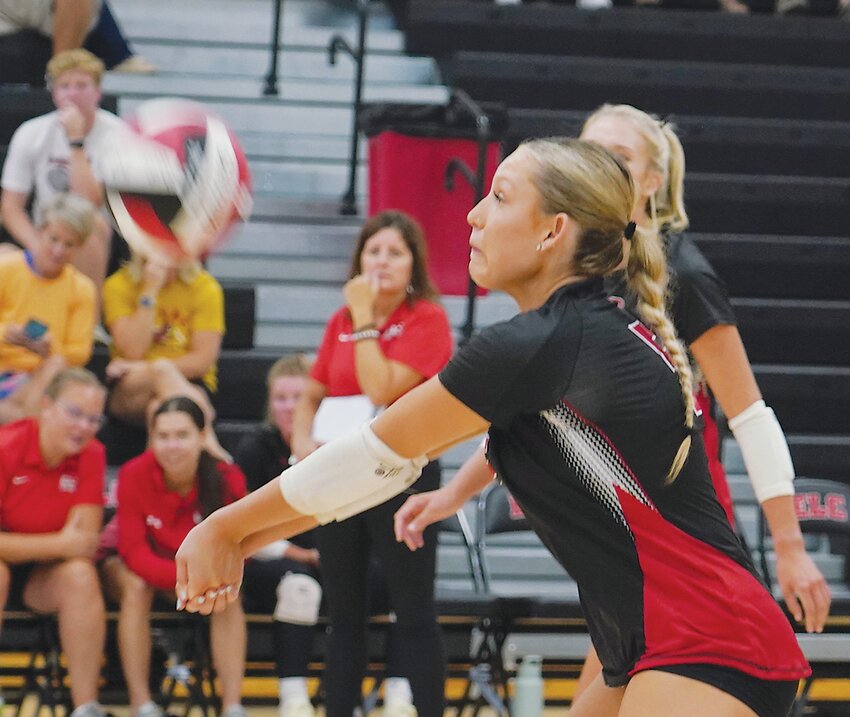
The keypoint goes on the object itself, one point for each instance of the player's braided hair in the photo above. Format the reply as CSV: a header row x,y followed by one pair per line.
x,y
647,275
596,190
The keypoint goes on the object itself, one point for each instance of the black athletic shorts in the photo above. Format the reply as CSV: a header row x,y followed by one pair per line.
x,y
767,698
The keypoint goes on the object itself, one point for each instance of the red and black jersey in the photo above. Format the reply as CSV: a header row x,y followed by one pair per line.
x,y
697,300
587,415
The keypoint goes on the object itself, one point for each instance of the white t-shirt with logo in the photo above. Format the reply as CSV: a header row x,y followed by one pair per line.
x,y
39,156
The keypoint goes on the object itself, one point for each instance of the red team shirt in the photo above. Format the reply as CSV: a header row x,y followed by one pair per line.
x,y
35,498
419,336
153,520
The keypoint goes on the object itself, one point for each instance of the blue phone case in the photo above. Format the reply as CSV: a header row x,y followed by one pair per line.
x,y
35,329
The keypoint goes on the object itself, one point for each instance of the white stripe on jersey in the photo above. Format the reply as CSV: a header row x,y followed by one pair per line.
x,y
594,460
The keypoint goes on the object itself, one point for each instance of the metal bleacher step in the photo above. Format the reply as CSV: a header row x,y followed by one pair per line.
x,y
301,57
308,90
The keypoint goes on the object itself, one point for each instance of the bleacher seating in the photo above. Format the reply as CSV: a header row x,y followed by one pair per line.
x,y
761,103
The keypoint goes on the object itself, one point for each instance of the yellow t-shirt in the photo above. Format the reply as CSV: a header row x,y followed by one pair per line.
x,y
66,304
181,309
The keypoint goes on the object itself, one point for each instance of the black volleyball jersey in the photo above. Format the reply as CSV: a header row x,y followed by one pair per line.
x,y
587,415
697,297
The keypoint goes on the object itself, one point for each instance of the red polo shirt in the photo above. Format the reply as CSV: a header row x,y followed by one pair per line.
x,y
35,498
418,336
153,520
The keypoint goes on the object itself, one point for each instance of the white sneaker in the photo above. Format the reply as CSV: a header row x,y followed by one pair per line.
x,y
89,709
149,709
297,707
235,711
397,708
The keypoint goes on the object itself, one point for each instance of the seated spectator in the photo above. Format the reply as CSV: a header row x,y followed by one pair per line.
x,y
166,325
51,504
59,152
107,41
282,579
33,30
47,307
162,494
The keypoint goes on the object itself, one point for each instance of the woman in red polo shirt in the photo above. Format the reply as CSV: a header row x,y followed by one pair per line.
x,y
162,495
51,507
389,337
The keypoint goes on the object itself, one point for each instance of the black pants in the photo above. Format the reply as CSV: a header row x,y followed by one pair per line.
x,y
293,644
415,648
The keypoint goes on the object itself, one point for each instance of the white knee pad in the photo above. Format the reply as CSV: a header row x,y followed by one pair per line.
x,y
298,599
347,476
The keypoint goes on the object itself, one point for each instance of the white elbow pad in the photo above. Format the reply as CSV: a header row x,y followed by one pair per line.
x,y
347,476
765,451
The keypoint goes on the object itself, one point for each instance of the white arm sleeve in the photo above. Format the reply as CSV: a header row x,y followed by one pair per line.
x,y
765,451
347,476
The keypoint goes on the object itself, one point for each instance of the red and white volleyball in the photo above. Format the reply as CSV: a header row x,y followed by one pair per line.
x,y
177,181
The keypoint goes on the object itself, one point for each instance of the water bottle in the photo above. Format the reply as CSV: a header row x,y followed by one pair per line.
x,y
528,688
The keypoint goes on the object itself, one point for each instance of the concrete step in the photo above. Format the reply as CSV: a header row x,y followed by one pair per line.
x,y
248,21
295,61
261,238
327,91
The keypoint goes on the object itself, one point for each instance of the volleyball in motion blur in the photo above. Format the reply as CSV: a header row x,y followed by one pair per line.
x,y
177,181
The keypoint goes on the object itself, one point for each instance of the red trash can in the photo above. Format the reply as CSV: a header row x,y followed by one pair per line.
x,y
410,147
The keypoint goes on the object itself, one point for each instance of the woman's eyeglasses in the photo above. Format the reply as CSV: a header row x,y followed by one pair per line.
x,y
96,421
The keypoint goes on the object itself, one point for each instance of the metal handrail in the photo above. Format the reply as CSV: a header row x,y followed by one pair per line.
x,y
337,44
461,102
271,76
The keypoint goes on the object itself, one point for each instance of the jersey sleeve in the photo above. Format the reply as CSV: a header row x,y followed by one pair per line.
x,y
133,545
209,305
92,473
507,370
426,344
19,167
699,300
119,297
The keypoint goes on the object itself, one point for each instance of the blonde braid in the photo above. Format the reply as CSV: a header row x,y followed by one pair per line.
x,y
647,275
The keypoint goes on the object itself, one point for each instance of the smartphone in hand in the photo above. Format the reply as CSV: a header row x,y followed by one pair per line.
x,y
35,329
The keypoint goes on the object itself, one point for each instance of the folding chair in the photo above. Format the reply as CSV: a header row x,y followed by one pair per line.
x,y
184,639
44,675
496,512
822,507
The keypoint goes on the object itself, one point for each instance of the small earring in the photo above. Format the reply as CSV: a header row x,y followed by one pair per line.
x,y
410,289
539,246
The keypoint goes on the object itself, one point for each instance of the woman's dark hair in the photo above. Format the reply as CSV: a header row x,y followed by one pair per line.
x,y
210,481
421,286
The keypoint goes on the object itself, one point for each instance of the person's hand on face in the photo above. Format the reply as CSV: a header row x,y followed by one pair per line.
x,y
154,277
360,293
73,121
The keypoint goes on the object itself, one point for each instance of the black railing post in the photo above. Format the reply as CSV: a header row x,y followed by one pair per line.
x,y
348,205
461,100
271,77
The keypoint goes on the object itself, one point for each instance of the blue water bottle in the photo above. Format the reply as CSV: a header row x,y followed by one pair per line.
x,y
528,688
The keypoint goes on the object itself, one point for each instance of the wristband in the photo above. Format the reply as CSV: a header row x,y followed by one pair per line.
x,y
77,143
147,302
363,334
